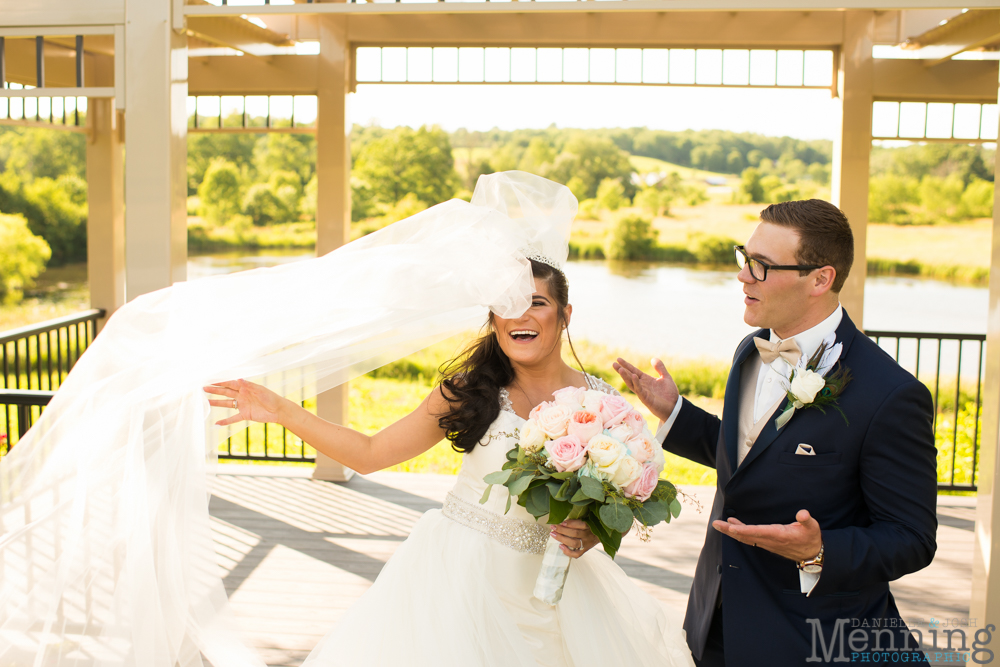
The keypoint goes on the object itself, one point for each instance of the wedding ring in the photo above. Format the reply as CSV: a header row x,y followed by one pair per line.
x,y
580,548
235,407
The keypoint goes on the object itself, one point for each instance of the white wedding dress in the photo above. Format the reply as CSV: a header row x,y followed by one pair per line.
x,y
458,591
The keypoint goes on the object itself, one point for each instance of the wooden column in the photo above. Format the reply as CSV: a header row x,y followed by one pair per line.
x,y
333,203
106,207
155,147
985,607
852,148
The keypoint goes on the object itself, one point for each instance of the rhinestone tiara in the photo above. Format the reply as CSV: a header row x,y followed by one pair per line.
x,y
544,260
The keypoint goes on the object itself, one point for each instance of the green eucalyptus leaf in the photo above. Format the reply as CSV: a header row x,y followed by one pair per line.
x,y
616,516
558,510
580,498
652,512
507,508
675,508
538,502
520,485
486,494
554,487
563,492
498,477
592,488
562,475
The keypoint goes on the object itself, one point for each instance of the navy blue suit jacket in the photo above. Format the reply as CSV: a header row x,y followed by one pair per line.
x,y
872,486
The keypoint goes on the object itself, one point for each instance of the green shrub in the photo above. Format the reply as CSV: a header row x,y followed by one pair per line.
x,y
654,201
611,194
590,209
712,249
586,250
219,192
22,257
977,200
632,237
751,190
263,206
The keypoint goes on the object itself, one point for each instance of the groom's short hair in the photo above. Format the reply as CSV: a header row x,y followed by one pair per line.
x,y
825,237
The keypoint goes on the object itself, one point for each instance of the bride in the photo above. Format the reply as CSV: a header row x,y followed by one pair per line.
x,y
106,550
458,591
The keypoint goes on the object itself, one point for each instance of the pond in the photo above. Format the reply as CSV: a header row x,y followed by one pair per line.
x,y
692,313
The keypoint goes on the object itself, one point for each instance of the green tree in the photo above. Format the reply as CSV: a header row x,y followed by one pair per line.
x,y
977,200
611,194
941,197
262,205
654,201
22,257
631,237
287,187
206,147
750,186
405,161
37,153
220,192
537,157
890,197
280,151
591,159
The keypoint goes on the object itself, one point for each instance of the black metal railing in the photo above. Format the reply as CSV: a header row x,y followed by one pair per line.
x,y
952,367
34,361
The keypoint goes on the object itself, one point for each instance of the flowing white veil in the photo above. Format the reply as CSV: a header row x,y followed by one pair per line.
x,y
106,552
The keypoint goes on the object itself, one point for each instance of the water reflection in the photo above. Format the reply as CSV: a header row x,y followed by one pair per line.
x,y
679,312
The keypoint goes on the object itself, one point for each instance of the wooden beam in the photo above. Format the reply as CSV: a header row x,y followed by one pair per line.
x,y
53,13
564,8
234,32
971,30
953,81
235,75
60,65
635,29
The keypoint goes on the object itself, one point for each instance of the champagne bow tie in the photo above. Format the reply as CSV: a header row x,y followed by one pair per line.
x,y
787,349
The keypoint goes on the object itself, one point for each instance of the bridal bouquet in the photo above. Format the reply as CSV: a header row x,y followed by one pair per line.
x,y
586,455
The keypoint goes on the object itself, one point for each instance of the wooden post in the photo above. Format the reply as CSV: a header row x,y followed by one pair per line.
x,y
106,207
985,606
333,202
852,148
155,147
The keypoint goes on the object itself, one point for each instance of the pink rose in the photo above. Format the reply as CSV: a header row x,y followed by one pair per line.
x,y
642,488
569,396
613,410
641,447
537,410
566,453
584,425
634,421
553,420
621,433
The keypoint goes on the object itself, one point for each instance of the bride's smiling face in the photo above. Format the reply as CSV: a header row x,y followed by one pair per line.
x,y
536,335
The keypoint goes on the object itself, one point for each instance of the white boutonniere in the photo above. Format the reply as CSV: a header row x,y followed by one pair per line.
x,y
811,384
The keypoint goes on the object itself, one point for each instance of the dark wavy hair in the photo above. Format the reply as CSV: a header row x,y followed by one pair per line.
x,y
471,382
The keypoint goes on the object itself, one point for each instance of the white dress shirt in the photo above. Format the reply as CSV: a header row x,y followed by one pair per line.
x,y
772,382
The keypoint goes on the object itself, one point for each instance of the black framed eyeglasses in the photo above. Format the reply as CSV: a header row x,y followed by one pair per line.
x,y
759,269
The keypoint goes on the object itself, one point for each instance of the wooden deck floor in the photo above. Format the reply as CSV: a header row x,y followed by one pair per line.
x,y
296,553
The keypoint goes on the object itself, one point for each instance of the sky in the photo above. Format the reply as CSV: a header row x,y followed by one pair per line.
x,y
803,114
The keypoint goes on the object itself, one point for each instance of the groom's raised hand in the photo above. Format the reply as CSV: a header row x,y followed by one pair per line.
x,y
658,394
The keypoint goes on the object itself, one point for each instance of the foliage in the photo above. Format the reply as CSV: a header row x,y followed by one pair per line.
x,y
56,210
36,153
280,151
611,194
219,193
22,257
710,249
631,237
751,188
204,148
241,233
407,161
588,160
404,208
263,206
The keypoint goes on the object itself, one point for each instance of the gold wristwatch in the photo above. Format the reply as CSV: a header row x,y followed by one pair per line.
x,y
813,565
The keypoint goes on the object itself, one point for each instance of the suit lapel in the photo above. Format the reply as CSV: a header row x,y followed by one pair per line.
x,y
731,404
845,336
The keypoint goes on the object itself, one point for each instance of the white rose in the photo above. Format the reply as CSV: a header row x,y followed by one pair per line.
x,y
553,420
605,453
532,437
805,385
592,401
628,471
621,433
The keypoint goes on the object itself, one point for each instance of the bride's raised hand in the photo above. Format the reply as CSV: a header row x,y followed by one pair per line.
x,y
253,402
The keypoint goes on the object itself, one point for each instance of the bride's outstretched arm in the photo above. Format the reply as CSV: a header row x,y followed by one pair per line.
x,y
412,435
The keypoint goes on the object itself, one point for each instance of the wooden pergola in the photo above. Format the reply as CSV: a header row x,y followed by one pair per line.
x,y
136,63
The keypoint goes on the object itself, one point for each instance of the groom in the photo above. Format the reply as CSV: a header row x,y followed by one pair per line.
x,y
813,516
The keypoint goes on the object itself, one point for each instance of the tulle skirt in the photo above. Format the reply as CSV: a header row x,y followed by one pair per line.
x,y
452,596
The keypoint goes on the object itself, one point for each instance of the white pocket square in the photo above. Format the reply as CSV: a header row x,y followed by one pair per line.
x,y
805,450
